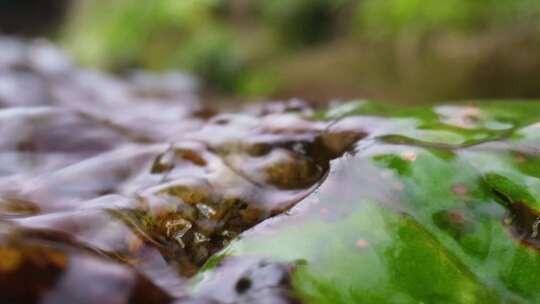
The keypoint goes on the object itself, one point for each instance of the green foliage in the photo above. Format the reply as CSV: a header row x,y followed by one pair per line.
x,y
300,22
251,47
395,16
195,35
212,56
156,34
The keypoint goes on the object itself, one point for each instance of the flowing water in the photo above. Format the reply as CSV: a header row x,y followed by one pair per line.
x,y
115,190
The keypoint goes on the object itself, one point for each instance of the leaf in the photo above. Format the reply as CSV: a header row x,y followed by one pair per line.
x,y
419,219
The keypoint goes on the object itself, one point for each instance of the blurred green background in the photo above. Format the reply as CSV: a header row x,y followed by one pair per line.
x,y
402,50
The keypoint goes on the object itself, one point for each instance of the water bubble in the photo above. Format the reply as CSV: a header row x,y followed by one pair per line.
x,y
206,210
177,229
200,238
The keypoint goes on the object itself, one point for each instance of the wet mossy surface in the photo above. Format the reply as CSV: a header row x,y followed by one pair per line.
x,y
436,205
111,193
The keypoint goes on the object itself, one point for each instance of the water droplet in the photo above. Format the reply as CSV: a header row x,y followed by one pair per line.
x,y
200,238
177,229
206,210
